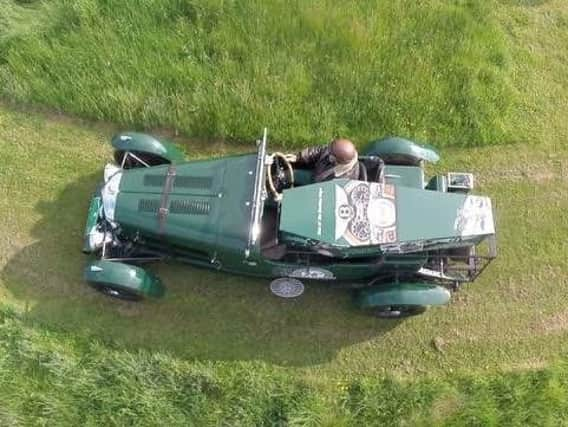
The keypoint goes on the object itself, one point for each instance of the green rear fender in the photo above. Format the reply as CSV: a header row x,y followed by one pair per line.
x,y
129,278
400,294
142,143
396,150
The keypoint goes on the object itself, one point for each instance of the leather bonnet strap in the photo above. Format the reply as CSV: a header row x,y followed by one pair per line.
x,y
168,186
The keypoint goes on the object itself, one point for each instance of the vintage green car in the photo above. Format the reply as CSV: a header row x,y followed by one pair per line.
x,y
400,241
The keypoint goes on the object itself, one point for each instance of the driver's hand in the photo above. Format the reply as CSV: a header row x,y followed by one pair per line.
x,y
291,157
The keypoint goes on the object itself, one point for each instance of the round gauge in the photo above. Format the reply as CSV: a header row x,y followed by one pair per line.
x,y
382,213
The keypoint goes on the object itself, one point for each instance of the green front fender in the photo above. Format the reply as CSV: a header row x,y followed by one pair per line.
x,y
123,276
143,143
412,293
399,149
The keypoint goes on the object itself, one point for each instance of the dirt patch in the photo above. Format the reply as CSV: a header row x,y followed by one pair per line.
x,y
555,324
445,406
439,344
538,173
544,176
530,365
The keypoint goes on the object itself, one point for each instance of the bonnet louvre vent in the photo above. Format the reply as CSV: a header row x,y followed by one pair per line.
x,y
154,180
148,205
180,181
193,181
190,207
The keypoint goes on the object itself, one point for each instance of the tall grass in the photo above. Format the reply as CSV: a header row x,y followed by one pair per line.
x,y
56,378
431,70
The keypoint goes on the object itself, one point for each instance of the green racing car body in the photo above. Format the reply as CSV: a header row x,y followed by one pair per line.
x,y
403,242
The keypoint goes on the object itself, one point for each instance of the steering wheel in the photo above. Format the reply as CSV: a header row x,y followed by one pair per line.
x,y
280,175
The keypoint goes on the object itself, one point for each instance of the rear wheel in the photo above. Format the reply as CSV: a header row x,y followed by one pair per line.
x,y
400,151
400,299
398,311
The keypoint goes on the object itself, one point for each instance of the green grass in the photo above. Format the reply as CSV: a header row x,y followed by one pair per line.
x,y
325,361
219,349
498,322
429,70
52,377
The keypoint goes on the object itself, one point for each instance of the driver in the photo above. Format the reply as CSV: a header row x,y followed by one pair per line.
x,y
338,159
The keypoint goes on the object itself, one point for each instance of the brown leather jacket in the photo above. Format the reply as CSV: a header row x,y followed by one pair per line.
x,y
318,159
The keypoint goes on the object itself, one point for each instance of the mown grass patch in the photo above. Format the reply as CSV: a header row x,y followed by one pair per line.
x,y
502,321
430,70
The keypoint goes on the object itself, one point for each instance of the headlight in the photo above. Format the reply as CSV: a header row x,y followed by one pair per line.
x,y
110,171
109,192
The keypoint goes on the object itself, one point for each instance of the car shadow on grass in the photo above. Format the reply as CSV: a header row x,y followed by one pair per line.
x,y
204,315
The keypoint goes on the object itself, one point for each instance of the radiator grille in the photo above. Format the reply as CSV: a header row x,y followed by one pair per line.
x,y
148,205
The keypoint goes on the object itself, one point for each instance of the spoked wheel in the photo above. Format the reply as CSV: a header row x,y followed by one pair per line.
x,y
138,159
111,290
398,311
287,287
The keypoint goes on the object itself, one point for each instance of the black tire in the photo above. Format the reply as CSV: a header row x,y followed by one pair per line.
x,y
398,311
401,160
113,291
131,162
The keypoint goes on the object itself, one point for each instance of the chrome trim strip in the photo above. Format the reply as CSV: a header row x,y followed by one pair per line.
x,y
258,200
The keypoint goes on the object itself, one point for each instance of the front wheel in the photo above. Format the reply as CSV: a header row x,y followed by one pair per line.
x,y
114,291
122,281
398,311
138,159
